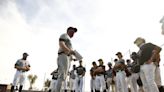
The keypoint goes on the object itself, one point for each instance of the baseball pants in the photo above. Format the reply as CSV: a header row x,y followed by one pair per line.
x,y
53,84
19,78
158,76
121,84
133,82
100,83
109,82
63,62
72,84
79,84
147,75
92,84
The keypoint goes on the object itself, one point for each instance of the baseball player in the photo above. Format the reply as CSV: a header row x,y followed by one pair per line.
x,y
114,74
92,82
65,53
73,75
134,71
99,79
119,67
109,77
80,74
54,80
129,66
22,66
147,55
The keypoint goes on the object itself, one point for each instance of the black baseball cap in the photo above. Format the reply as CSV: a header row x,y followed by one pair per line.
x,y
25,54
118,53
72,28
100,59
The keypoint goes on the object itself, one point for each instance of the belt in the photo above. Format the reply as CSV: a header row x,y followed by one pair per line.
x,y
21,71
59,53
100,74
54,78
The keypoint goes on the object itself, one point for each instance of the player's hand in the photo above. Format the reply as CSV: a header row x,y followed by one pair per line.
x,y
74,59
94,77
23,68
149,61
71,52
27,68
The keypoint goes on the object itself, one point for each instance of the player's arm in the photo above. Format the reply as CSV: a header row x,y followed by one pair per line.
x,y
65,48
91,72
155,54
52,72
83,72
27,67
117,66
20,68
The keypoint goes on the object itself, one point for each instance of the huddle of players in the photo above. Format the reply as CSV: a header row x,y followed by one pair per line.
x,y
121,77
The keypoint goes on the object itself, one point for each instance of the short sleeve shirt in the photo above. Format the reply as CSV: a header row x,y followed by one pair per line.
x,y
72,74
109,73
80,70
22,63
55,75
120,61
67,41
103,67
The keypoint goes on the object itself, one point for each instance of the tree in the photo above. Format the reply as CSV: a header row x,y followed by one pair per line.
x,y
32,79
47,84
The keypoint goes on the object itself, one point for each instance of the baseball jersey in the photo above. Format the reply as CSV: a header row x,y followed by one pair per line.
x,y
55,75
129,66
92,70
80,70
120,61
22,63
145,52
65,37
72,74
109,73
103,67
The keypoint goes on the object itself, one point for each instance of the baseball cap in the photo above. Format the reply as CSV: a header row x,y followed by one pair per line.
x,y
118,53
134,53
80,61
72,28
25,54
100,59
109,63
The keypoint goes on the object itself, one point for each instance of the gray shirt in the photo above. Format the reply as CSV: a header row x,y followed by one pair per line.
x,y
22,63
120,61
65,37
72,74
109,73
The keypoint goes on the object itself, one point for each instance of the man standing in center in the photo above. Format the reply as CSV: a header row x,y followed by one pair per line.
x,y
64,56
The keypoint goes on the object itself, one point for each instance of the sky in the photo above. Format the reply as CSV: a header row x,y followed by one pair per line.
x,y
104,28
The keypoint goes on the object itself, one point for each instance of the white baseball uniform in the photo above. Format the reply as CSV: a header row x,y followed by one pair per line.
x,y
79,79
100,80
121,84
20,76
